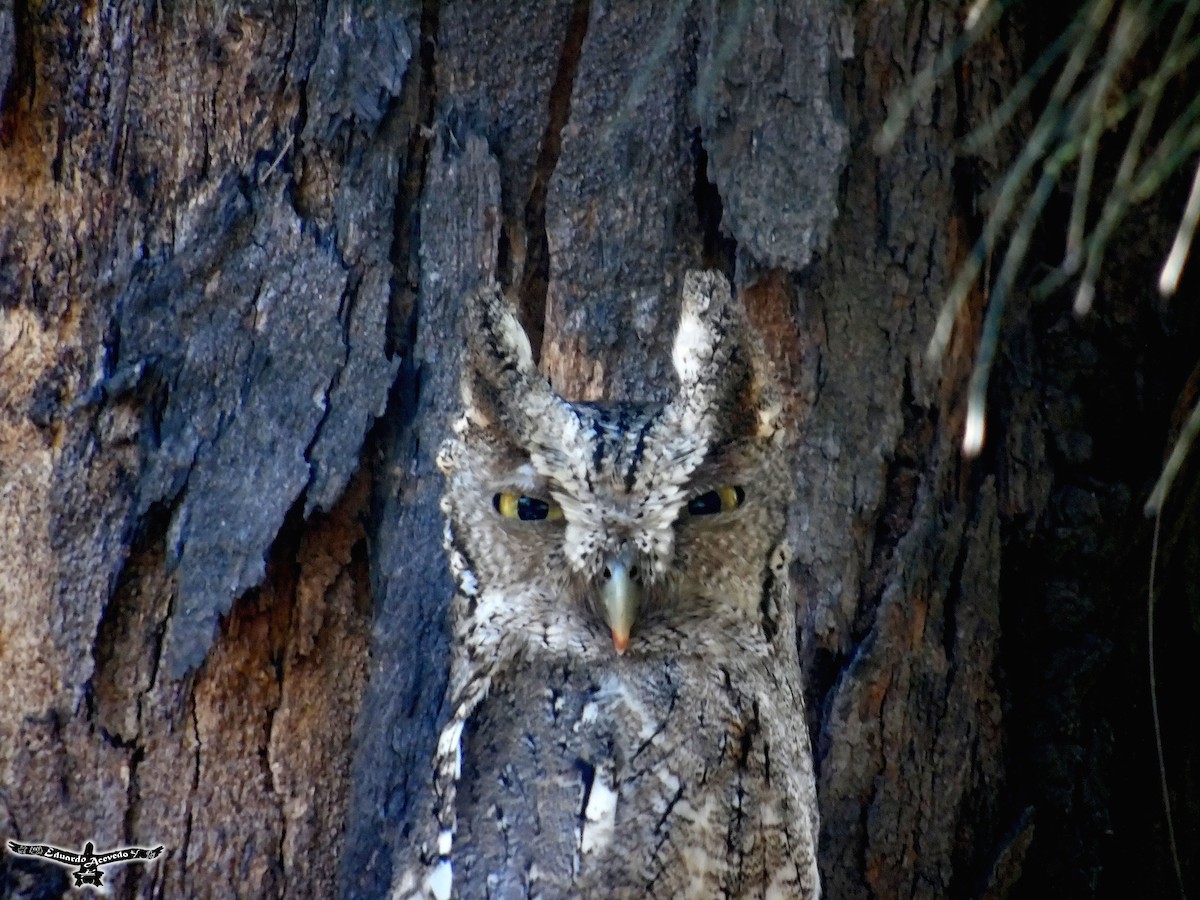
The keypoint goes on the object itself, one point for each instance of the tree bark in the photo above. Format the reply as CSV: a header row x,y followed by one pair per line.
x,y
234,244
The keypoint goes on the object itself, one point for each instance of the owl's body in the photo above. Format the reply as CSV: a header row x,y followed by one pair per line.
x,y
627,715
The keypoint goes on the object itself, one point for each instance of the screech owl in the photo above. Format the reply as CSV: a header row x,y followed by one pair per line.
x,y
627,716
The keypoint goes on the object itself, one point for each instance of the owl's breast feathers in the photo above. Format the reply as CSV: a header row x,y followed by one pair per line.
x,y
651,778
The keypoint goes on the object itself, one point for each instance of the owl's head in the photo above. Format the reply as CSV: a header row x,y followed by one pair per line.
x,y
599,528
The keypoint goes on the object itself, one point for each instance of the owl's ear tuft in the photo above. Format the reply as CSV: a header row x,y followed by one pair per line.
x,y
495,335
501,386
703,320
498,365
722,369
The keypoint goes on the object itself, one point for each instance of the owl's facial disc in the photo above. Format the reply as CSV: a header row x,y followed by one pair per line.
x,y
621,593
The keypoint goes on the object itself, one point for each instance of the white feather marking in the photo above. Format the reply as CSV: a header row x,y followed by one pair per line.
x,y
441,880
445,842
693,346
601,815
588,714
468,584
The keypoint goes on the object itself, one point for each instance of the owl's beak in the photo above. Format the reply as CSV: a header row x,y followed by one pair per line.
x,y
622,594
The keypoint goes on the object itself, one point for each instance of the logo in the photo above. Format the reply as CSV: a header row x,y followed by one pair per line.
x,y
86,864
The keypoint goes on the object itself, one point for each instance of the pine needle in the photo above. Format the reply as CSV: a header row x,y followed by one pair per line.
x,y
1079,111
980,19
1158,740
1174,462
1168,281
1049,128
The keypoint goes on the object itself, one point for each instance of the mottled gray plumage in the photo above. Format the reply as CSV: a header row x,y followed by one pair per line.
x,y
680,766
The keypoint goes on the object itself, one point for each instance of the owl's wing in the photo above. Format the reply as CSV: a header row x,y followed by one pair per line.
x,y
431,873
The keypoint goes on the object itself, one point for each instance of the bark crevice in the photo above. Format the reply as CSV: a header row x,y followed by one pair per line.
x,y
535,272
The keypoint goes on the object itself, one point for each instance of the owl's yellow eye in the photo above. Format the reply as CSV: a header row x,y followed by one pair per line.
x,y
723,499
527,509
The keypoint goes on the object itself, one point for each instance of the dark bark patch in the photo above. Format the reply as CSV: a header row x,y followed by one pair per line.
x,y
531,292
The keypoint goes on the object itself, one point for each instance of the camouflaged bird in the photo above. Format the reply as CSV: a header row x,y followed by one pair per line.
x,y
627,715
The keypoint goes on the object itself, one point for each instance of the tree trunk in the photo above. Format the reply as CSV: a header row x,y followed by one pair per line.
x,y
234,245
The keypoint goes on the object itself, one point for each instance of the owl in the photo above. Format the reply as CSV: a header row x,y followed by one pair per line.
x,y
626,714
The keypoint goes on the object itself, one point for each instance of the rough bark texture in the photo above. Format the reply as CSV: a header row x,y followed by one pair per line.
x,y
233,247
197,217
